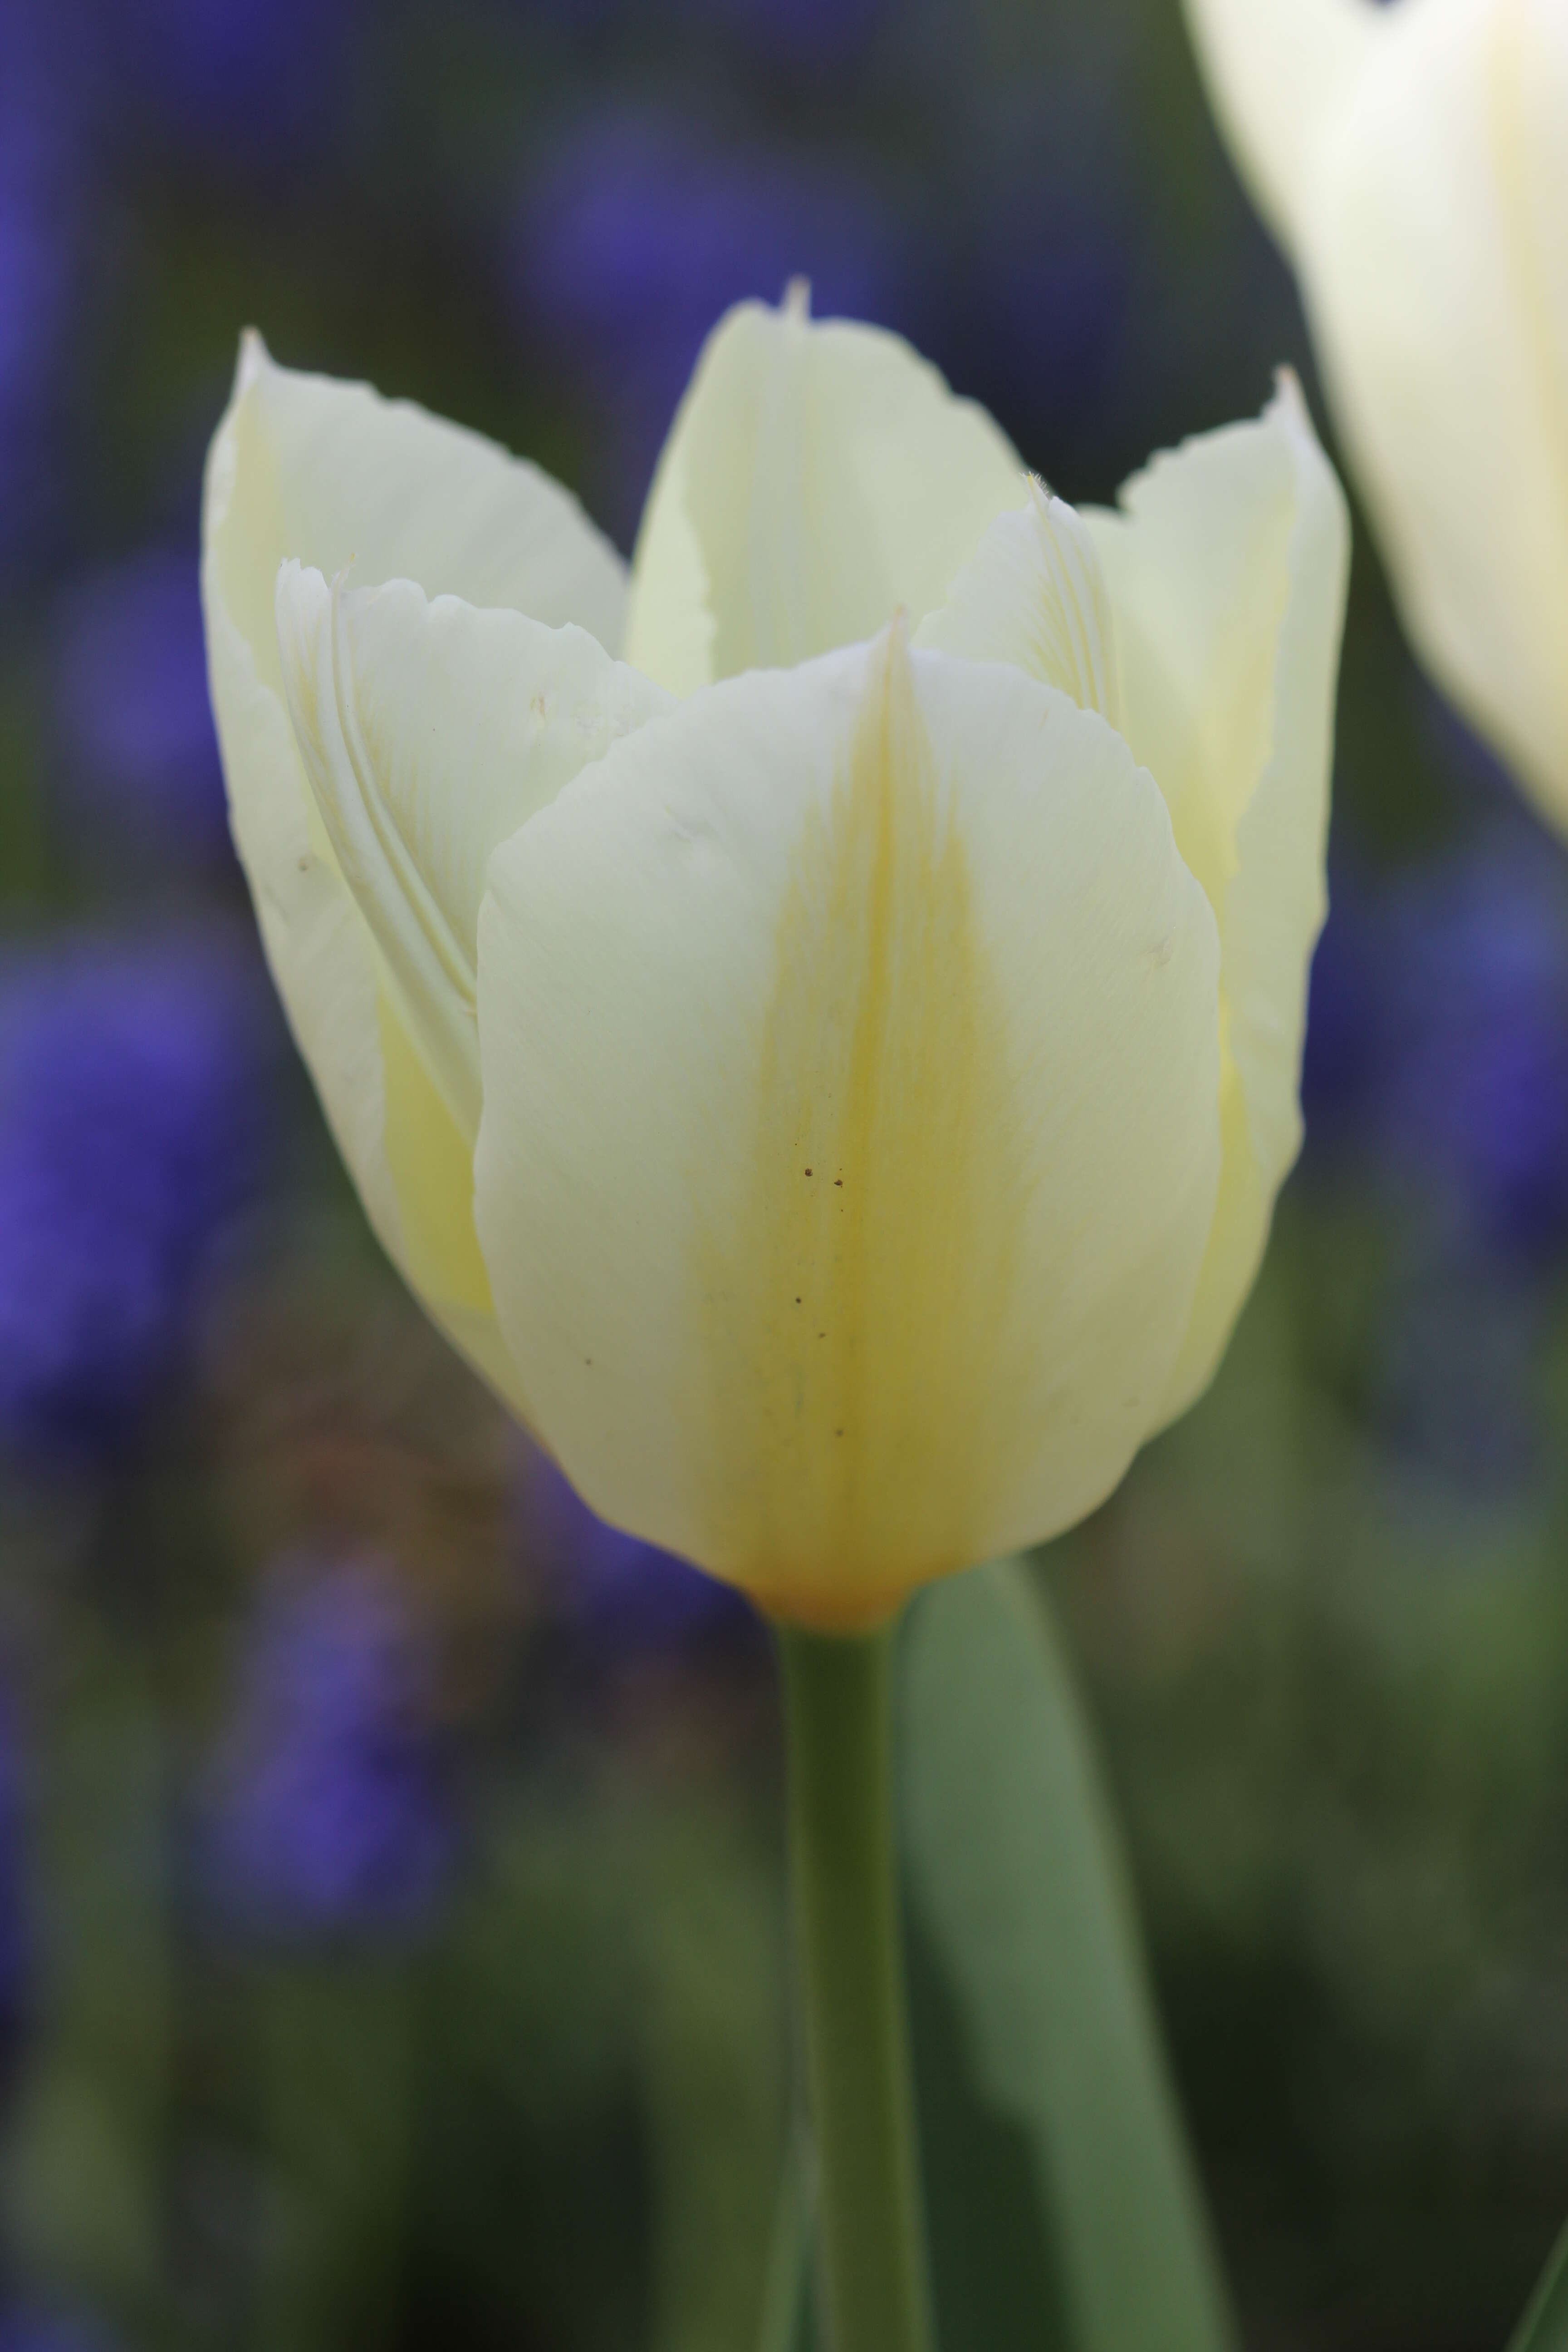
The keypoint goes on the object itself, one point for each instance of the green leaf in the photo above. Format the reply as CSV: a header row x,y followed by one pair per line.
x,y
1063,2210
1544,2327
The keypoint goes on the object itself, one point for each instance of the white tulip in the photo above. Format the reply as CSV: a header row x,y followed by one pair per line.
x,y
830,1068
1412,162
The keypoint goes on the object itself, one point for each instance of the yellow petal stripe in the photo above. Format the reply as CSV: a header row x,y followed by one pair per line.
x,y
863,1292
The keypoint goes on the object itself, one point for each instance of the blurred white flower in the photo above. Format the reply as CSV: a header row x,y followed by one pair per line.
x,y
830,1069
1412,162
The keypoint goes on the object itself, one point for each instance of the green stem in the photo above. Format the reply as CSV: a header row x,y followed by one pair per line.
x,y
838,1718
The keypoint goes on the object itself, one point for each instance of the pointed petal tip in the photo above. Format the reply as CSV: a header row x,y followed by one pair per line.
x,y
1288,400
254,360
1289,411
888,671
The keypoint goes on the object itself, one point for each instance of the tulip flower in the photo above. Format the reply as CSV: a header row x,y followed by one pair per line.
x,y
818,1023
1409,161
820,1030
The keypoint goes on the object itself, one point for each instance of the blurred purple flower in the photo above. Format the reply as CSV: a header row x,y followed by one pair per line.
x,y
1476,1111
619,1594
637,238
37,2327
790,34
41,197
575,16
1043,294
34,292
227,78
330,1815
131,1128
1345,1061
1437,1044
800,33
1436,1068
131,707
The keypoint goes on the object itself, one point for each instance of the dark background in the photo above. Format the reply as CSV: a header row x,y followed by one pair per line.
x,y
389,1918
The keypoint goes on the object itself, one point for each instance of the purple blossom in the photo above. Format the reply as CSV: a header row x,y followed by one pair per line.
x,y
800,33
1438,1044
1436,1065
41,197
132,1125
1345,1061
330,1814
226,80
38,2327
1476,1101
34,293
636,238
790,34
1038,317
131,706
620,1594
575,16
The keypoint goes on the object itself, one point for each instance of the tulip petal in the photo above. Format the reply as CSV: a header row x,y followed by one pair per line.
x,y
1034,595
849,1139
1434,263
332,474
817,478
301,466
430,731
1226,569
1281,73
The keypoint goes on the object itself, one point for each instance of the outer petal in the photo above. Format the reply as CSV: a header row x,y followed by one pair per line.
x,y
1227,570
849,1135
334,474
1435,262
1279,73
302,466
817,478
430,731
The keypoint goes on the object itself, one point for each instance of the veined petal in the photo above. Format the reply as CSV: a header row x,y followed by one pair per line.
x,y
430,731
302,466
817,478
1279,73
1034,595
1227,570
1435,265
850,1124
315,941
332,474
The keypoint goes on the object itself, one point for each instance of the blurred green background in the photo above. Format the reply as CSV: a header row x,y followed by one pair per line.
x,y
391,1922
